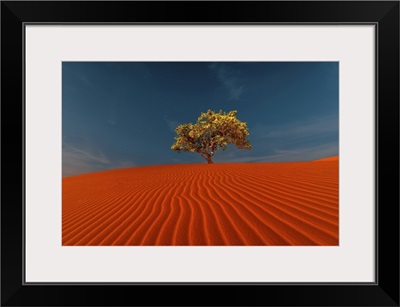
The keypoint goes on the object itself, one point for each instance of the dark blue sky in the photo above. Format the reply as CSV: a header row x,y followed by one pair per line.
x,y
123,114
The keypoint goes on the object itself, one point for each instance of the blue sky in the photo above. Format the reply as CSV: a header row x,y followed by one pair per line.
x,y
123,114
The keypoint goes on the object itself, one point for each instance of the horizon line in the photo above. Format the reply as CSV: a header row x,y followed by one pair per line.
x,y
328,158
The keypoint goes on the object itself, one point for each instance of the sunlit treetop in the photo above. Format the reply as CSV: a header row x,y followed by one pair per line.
x,y
212,131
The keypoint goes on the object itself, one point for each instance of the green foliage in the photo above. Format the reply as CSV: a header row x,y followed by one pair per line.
x,y
212,131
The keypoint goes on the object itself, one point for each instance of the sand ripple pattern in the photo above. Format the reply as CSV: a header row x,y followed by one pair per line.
x,y
199,204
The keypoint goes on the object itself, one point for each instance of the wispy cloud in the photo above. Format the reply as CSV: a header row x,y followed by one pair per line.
x,y
79,75
171,124
77,160
84,154
85,80
228,78
305,153
286,155
298,131
112,118
300,141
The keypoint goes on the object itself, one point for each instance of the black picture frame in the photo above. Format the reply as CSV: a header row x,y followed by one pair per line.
x,y
383,14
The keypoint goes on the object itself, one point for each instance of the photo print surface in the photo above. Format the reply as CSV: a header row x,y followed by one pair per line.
x,y
200,153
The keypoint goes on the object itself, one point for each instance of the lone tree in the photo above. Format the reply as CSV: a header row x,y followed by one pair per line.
x,y
213,131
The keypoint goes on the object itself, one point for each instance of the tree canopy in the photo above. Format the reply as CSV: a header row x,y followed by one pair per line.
x,y
212,131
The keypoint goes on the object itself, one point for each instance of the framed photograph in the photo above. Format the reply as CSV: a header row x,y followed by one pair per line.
x,y
243,146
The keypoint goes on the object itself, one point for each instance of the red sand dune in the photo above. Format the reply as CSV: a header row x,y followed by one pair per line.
x,y
201,204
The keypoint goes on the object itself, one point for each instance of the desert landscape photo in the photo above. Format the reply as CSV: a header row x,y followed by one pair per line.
x,y
200,154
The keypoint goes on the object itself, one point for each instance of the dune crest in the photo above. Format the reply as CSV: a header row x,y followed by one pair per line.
x,y
200,204
334,158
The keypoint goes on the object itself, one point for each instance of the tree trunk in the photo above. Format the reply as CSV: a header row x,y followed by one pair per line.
x,y
209,160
